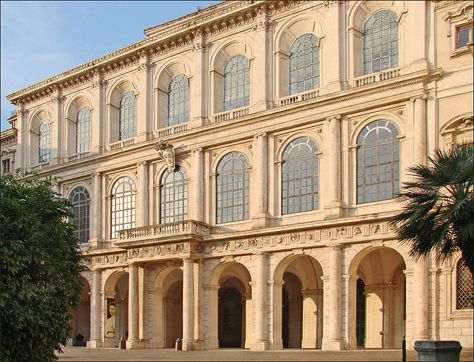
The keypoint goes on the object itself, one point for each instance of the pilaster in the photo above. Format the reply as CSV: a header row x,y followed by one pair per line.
x,y
144,99
260,336
200,82
95,312
98,113
260,189
333,207
96,211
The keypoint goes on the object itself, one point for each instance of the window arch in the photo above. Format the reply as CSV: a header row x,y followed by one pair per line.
x,y
83,130
178,100
44,149
80,200
304,64
127,116
380,42
299,177
464,288
173,196
377,162
232,188
236,83
123,206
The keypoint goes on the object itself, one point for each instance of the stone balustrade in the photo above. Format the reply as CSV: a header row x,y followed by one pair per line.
x,y
78,156
168,131
376,77
121,144
226,116
295,98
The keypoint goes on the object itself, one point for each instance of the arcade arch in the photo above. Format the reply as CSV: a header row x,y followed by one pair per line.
x,y
116,309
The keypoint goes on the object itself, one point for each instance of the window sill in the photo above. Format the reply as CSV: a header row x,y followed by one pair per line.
x,y
462,51
462,314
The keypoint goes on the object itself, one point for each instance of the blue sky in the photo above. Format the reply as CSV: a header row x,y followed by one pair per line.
x,y
40,39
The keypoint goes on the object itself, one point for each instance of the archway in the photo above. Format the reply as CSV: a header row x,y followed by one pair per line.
x,y
80,322
378,299
116,309
231,314
173,308
298,303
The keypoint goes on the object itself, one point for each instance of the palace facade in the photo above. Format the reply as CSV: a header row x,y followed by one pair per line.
x,y
232,175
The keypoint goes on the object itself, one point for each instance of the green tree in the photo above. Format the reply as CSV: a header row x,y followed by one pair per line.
x,y
439,211
40,268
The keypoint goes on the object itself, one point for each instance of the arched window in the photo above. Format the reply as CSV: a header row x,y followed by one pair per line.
x,y
377,162
178,100
299,176
80,200
464,289
236,83
127,118
173,196
304,64
44,149
123,205
83,130
232,188
380,42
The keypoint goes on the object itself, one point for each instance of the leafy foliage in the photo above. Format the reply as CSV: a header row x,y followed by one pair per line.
x,y
439,213
40,268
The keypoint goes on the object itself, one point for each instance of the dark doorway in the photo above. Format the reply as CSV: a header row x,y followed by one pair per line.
x,y
360,316
285,332
230,318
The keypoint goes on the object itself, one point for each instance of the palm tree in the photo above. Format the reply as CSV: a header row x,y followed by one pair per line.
x,y
439,210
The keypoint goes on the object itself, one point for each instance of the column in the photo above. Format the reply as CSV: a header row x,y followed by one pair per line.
x,y
333,207
261,341
57,137
141,302
142,211
277,342
334,54
21,160
310,318
197,209
98,113
188,304
199,83
132,306
198,305
260,189
144,99
95,314
420,328
262,64
213,325
96,211
333,339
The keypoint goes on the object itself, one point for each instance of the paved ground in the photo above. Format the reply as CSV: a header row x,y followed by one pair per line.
x,y
115,355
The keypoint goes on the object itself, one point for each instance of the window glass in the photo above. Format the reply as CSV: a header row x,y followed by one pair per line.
x,y
304,64
45,142
80,200
83,130
464,35
173,196
178,100
465,292
123,206
127,117
236,83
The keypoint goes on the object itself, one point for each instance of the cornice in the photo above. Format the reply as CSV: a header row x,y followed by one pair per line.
x,y
177,34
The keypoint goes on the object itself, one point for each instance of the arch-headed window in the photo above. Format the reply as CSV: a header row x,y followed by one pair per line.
x,y
464,289
380,42
377,162
178,100
173,196
127,117
123,206
236,83
83,130
232,188
299,178
44,149
304,64
80,200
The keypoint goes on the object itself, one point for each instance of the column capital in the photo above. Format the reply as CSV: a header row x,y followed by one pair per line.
x,y
197,149
211,287
336,117
422,96
143,163
259,135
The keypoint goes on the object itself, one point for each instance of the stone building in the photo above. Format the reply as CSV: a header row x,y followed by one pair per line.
x,y
232,174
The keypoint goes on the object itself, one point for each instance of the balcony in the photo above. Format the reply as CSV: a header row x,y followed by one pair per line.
x,y
78,156
376,77
227,116
168,131
121,144
295,98
163,233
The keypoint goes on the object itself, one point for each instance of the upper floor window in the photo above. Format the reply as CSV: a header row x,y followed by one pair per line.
x,y
44,149
304,64
80,200
6,166
380,42
173,196
236,83
127,117
178,100
377,162
83,130
123,206
299,177
464,288
464,35
232,188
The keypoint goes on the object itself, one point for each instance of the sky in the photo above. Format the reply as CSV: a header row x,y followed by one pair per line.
x,y
40,39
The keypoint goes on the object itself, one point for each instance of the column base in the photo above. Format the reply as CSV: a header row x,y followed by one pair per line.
x,y
333,211
332,345
260,106
94,343
197,122
191,345
260,221
259,346
134,343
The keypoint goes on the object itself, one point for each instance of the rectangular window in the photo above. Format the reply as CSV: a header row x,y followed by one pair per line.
x,y
6,166
464,35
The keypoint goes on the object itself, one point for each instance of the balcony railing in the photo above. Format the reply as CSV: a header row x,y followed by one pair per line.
x,y
226,116
121,144
78,156
295,98
163,231
168,131
376,77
